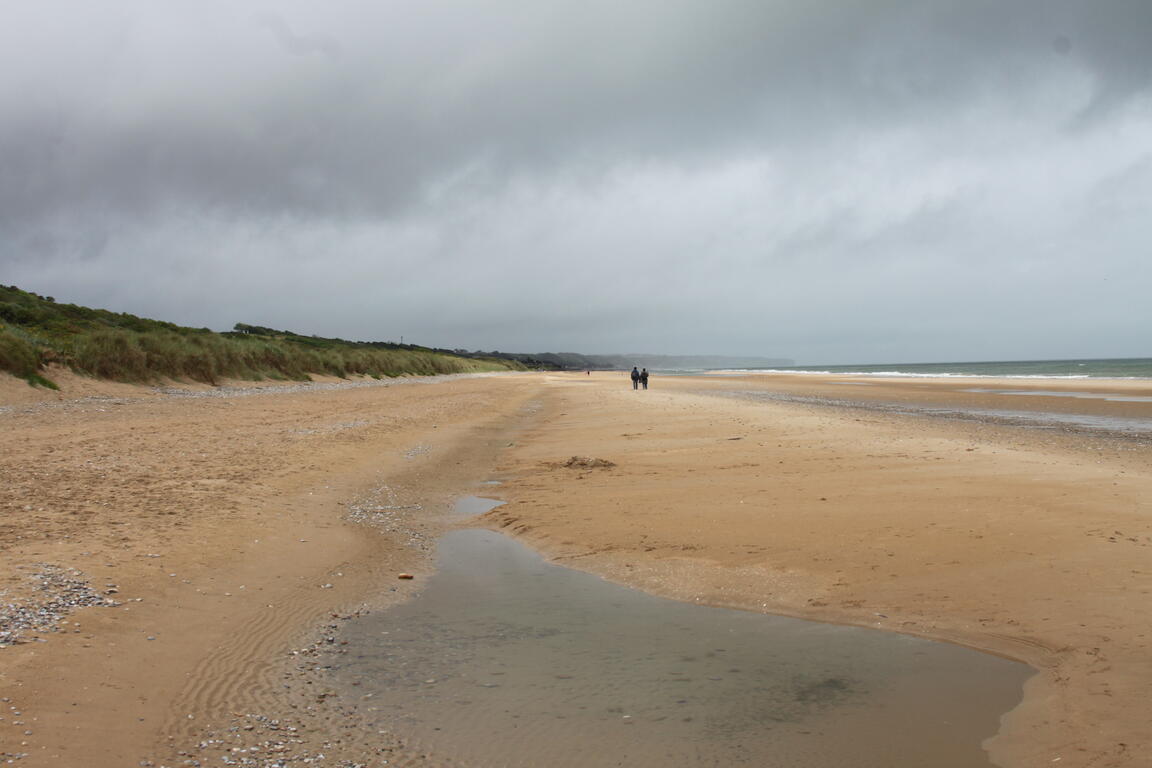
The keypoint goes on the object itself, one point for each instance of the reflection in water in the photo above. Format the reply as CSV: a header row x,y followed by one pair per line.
x,y
504,659
1111,397
473,506
1123,426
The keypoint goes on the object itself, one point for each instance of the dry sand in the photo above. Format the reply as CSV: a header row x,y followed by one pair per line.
x,y
227,516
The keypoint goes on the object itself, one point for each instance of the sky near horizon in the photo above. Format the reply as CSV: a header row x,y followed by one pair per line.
x,y
834,181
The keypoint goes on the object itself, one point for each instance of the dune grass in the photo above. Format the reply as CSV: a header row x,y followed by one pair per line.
x,y
20,356
36,331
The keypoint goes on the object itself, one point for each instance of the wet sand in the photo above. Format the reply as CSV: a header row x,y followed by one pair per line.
x,y
1031,543
250,525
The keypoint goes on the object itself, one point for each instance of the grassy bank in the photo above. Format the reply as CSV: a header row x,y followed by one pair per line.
x,y
36,331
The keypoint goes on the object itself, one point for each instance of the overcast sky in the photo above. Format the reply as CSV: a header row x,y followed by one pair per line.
x,y
826,180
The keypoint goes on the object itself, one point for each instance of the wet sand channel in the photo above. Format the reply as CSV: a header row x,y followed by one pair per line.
x,y
505,659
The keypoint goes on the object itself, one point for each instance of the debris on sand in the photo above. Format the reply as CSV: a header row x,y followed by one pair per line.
x,y
587,462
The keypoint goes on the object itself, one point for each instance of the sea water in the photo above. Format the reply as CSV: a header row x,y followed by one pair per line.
x,y
505,660
1122,368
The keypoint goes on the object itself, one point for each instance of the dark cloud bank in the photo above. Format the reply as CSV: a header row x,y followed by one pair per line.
x,y
831,181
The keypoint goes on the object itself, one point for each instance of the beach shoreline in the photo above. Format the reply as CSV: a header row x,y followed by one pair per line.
x,y
995,536
1024,542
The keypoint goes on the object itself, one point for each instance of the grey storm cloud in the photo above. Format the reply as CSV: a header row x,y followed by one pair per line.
x,y
545,173
361,109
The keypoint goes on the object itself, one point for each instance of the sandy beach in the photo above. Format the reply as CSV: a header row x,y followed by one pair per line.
x,y
176,562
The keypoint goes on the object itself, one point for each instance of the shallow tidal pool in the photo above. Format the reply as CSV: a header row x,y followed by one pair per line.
x,y
506,660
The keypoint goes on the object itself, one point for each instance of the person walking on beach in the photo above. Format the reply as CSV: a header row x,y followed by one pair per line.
x,y
644,378
635,378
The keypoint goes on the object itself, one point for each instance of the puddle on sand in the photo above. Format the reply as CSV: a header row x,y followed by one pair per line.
x,y
472,506
506,660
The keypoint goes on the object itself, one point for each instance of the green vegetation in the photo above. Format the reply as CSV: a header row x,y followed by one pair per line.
x,y
36,331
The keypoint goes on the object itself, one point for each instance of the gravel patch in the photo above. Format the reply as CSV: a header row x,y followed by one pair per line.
x,y
382,509
100,402
236,390
57,592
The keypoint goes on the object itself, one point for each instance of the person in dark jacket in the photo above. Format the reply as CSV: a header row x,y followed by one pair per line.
x,y
635,378
644,378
